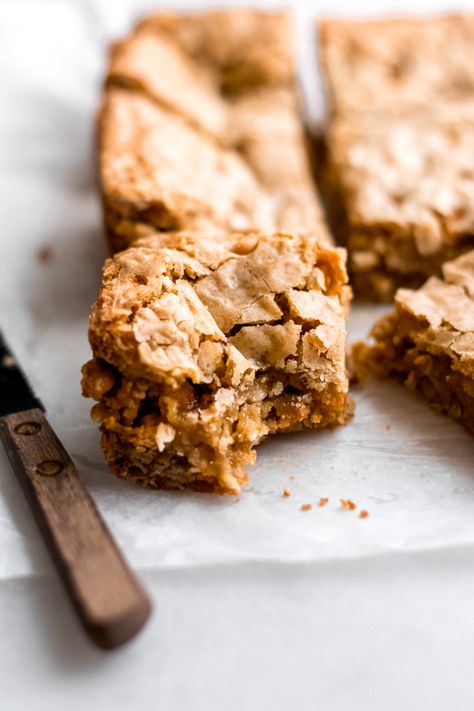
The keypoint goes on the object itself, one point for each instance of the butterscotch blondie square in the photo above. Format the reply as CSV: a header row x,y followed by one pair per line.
x,y
398,179
200,129
427,342
387,65
402,196
203,347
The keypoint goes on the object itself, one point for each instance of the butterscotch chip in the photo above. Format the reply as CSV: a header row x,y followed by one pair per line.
x,y
306,507
323,501
200,129
204,347
348,504
427,342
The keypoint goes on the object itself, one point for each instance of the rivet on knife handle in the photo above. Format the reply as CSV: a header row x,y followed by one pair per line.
x,y
109,600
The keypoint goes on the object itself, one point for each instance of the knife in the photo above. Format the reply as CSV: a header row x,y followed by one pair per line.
x,y
110,602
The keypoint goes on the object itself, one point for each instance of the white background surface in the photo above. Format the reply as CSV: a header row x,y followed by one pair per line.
x,y
257,605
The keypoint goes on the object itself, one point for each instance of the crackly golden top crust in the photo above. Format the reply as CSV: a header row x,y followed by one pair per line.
x,y
183,305
157,66
246,48
390,64
444,312
200,127
414,178
157,169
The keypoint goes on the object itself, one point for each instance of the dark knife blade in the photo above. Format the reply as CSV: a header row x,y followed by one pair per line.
x,y
16,394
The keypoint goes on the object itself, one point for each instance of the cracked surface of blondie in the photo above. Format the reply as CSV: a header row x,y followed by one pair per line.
x,y
200,129
202,348
428,341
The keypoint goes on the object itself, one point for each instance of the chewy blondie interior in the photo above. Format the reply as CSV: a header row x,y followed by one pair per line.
x,y
203,347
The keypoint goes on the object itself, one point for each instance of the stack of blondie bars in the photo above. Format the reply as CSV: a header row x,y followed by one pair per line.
x,y
221,315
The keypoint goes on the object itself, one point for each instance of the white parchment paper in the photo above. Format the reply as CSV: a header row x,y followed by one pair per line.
x,y
410,468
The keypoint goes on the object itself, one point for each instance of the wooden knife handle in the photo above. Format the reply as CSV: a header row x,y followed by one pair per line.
x,y
109,600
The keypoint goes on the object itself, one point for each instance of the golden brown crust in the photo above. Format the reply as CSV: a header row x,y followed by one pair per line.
x,y
199,128
399,179
159,172
203,347
154,65
428,341
405,189
387,64
248,48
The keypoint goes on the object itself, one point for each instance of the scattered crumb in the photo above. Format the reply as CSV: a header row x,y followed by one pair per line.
x,y
388,427
253,488
45,253
286,492
323,500
363,514
306,507
348,504
291,477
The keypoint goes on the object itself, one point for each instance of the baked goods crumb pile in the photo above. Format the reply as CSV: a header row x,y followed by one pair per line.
x,y
202,348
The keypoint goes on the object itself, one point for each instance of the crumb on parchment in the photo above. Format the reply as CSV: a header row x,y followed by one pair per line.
x,y
323,500
363,514
348,504
306,507
286,492
45,253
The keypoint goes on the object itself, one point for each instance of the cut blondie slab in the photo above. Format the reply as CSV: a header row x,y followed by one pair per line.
x,y
398,178
203,347
385,65
428,341
200,129
401,193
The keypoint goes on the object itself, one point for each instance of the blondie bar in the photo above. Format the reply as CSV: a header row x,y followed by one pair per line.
x,y
398,178
402,196
428,341
203,347
200,129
